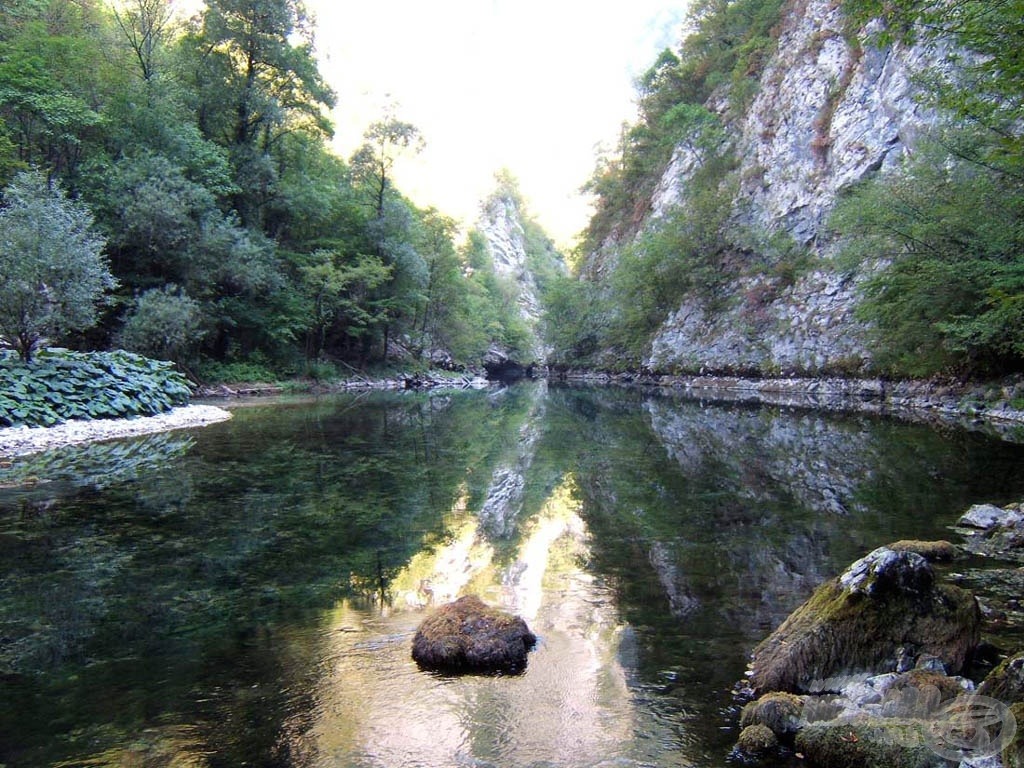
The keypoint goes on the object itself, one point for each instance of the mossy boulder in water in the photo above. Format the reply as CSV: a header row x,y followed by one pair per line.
x,y
778,711
470,636
869,743
1005,682
757,740
885,608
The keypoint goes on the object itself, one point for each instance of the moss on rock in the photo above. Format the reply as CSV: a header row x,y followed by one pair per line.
x,y
1013,753
868,743
933,551
1006,681
885,604
757,740
778,711
469,636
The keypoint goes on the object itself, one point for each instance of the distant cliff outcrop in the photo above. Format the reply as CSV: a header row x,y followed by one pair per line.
x,y
832,108
524,258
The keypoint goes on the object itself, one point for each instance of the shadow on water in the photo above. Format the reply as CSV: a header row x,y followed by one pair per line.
x,y
247,593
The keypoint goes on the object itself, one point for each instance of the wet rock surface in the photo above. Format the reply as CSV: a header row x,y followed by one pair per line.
x,y
886,607
469,636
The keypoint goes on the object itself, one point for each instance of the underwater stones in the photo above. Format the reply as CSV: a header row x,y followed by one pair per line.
x,y
885,607
470,636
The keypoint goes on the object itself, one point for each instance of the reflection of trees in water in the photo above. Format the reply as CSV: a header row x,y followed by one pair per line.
x,y
185,547
196,576
713,523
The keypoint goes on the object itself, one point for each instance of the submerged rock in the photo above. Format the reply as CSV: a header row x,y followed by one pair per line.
x,y
469,636
879,616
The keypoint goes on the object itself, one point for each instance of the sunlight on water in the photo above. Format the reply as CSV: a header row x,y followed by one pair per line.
x,y
571,707
247,594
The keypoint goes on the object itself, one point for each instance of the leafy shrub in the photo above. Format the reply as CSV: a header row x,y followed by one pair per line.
x,y
255,371
165,323
940,242
59,385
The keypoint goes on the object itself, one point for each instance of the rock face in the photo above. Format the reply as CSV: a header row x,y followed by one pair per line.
x,y
994,531
831,110
879,616
501,223
469,636
1006,682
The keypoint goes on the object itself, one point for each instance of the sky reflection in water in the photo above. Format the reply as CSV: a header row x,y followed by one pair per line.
x,y
214,598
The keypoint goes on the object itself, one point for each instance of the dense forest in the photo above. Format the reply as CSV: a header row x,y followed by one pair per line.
x,y
179,171
934,245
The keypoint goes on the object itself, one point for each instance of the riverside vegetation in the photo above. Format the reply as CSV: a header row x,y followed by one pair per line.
x,y
926,244
169,189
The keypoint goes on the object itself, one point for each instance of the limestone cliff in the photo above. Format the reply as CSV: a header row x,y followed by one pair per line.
x,y
831,109
519,251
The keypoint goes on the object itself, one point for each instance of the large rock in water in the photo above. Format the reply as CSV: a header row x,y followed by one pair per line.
x,y
880,615
469,636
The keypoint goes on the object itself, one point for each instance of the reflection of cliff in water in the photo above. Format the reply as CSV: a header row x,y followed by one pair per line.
x,y
571,706
772,502
507,490
712,524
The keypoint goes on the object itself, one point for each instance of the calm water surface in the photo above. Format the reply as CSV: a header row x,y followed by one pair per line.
x,y
246,594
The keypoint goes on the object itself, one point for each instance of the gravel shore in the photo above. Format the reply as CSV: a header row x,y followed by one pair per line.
x,y
18,441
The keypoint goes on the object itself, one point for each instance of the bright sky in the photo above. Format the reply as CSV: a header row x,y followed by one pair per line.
x,y
535,86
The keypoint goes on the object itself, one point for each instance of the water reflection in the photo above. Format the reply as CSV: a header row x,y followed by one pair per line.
x,y
571,707
247,593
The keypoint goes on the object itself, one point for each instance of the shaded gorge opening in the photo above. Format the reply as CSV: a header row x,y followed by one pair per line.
x,y
247,593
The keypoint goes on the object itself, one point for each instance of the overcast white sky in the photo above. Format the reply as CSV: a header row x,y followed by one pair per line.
x,y
529,85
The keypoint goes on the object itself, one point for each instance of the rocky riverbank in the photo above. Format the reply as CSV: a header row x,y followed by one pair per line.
x,y
356,383
999,404
886,665
19,441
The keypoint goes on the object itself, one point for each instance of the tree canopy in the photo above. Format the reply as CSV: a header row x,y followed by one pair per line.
x,y
198,148
52,271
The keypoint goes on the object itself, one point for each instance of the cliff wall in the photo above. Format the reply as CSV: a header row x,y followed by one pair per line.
x,y
831,110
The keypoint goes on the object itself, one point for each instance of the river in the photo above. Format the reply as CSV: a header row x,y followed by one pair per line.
x,y
246,593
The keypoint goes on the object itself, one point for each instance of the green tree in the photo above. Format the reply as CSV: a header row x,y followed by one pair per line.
x,y
339,291
256,76
54,78
373,163
164,323
940,242
52,271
